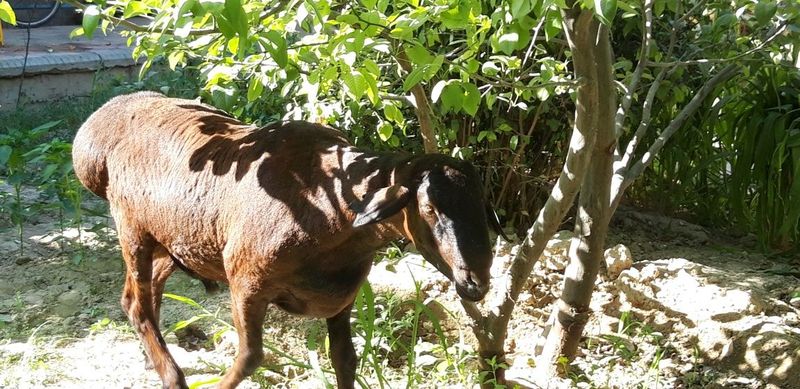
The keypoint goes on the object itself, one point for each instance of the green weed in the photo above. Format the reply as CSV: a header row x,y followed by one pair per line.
x,y
15,156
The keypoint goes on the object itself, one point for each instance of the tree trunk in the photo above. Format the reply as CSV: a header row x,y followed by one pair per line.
x,y
592,58
491,327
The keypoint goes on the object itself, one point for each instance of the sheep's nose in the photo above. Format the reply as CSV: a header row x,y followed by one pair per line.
x,y
471,287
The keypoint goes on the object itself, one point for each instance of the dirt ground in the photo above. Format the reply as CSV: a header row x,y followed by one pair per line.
x,y
690,311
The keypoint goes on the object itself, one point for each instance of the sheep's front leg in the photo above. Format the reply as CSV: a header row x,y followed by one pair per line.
x,y
248,310
343,354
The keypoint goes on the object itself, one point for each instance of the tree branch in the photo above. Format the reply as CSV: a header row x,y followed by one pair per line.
x,y
707,61
644,55
423,106
403,99
644,124
724,75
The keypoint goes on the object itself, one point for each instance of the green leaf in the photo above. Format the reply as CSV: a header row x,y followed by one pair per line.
x,y
174,58
490,99
78,31
472,99
185,323
659,6
424,72
7,14
513,142
520,8
278,49
385,131
507,42
452,97
371,86
472,66
490,68
236,16
48,171
348,19
184,300
724,21
605,10
418,54
542,93
254,88
40,129
214,7
201,383
434,67
5,153
355,83
414,78
391,112
91,17
182,9
765,10
135,8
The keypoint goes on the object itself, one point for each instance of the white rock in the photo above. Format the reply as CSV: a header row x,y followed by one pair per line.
x,y
649,273
556,254
795,302
618,258
228,342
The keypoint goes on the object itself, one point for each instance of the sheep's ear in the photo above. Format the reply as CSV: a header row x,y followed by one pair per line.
x,y
381,204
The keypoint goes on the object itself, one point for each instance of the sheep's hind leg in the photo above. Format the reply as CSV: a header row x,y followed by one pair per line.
x,y
163,267
137,300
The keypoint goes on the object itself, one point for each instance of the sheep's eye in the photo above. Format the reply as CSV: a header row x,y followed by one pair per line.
x,y
428,209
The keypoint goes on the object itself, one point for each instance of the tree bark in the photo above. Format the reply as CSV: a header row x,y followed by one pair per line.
x,y
593,60
424,111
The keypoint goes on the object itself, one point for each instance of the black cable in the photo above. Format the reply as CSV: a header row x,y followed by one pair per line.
x,y
24,63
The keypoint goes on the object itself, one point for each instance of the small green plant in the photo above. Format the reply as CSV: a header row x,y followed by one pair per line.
x,y
629,342
391,255
15,146
55,178
490,377
204,314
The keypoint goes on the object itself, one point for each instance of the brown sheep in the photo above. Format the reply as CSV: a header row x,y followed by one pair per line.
x,y
289,214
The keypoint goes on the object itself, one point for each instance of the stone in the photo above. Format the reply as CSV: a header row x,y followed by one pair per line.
x,y
33,299
228,342
556,253
617,259
795,302
69,303
23,260
727,317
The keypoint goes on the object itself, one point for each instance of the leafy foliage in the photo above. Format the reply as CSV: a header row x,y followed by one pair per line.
x,y
496,72
710,169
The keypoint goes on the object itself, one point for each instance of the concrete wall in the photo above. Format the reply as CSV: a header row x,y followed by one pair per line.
x,y
47,77
38,89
